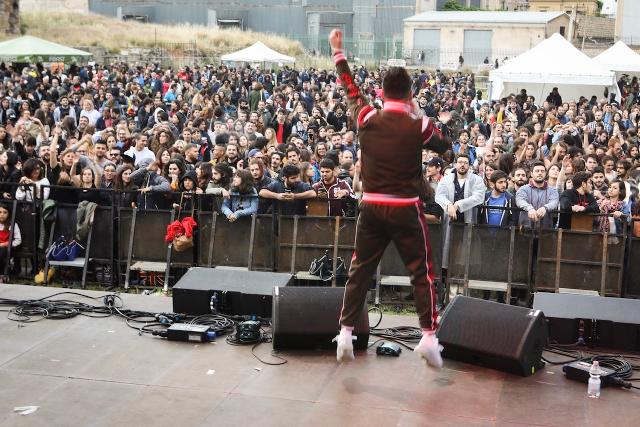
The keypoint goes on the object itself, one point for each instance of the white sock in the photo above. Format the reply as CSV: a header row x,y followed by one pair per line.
x,y
346,330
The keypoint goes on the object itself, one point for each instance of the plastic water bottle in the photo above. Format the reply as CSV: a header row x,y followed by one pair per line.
x,y
593,389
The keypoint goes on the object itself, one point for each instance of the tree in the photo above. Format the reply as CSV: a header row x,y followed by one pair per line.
x,y
455,5
452,5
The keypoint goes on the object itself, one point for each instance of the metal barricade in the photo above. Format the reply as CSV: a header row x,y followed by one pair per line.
x,y
490,258
26,216
264,244
142,246
632,270
103,242
303,239
580,261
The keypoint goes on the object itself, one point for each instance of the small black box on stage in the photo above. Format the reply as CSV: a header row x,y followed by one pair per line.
x,y
227,291
189,332
579,371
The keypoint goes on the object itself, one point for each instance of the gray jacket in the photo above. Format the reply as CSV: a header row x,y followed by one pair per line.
x,y
474,191
529,197
143,178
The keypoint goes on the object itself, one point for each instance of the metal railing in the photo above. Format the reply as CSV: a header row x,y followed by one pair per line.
x,y
564,259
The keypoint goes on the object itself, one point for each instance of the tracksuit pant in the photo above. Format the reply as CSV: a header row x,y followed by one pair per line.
x,y
378,224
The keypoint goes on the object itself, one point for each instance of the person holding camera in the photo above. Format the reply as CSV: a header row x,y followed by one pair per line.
x,y
290,192
336,191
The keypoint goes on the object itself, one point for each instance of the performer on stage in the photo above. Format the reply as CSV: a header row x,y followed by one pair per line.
x,y
391,141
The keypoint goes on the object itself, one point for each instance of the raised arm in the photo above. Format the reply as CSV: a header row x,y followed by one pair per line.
x,y
356,102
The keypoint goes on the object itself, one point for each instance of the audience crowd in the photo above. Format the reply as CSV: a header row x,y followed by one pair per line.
x,y
264,140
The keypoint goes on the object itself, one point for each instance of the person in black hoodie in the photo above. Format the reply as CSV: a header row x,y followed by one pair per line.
x,y
185,199
9,174
578,199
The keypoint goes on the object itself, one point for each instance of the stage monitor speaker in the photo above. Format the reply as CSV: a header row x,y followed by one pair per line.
x,y
308,318
227,291
607,322
498,336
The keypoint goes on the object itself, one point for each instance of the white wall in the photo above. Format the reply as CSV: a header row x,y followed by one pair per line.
x,y
628,22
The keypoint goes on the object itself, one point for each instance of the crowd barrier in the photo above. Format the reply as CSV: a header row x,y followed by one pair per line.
x,y
127,240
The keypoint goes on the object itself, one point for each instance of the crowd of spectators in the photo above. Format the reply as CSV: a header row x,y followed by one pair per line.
x,y
264,140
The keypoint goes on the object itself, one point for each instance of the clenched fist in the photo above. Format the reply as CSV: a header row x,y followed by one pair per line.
x,y
335,40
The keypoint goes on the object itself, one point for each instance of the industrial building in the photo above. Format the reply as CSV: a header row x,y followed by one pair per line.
x,y
439,39
373,28
628,22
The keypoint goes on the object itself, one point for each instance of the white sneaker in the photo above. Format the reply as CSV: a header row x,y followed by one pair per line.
x,y
345,346
430,349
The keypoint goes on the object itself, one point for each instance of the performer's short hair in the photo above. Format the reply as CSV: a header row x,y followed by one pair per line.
x,y
396,83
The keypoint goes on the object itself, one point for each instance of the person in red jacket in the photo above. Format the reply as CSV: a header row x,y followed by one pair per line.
x,y
7,239
391,142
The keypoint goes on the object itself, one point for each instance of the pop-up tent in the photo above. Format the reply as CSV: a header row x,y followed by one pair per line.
x,y
554,62
32,49
257,52
619,58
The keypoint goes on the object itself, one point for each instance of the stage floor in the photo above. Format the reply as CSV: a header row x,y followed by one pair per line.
x,y
99,372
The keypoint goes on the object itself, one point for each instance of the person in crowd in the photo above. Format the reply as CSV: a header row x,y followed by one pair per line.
x,y
243,198
618,212
336,191
33,181
537,199
9,174
151,185
578,199
184,198
460,192
307,173
127,190
499,204
290,192
139,151
275,164
519,179
9,236
87,181
260,180
220,182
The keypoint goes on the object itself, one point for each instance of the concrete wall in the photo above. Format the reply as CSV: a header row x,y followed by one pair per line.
x,y
508,39
554,26
596,27
589,7
81,6
628,22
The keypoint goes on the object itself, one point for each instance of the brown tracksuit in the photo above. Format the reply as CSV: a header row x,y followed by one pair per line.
x,y
391,142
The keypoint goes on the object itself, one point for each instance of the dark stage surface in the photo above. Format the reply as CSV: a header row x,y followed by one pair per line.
x,y
99,372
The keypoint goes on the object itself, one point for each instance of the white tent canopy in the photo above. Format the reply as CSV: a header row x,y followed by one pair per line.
x,y
257,52
554,62
619,58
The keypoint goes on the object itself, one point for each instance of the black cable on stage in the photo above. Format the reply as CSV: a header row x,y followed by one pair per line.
x,y
403,335
145,322
264,338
